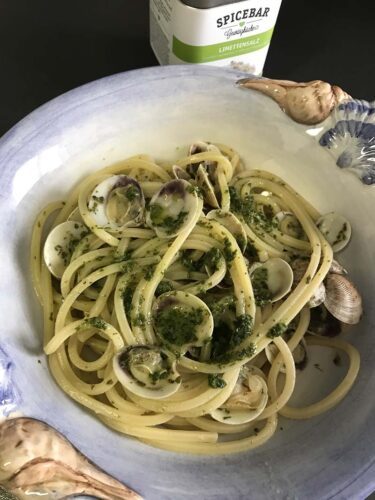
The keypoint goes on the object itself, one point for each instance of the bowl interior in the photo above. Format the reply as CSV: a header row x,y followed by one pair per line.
x,y
159,112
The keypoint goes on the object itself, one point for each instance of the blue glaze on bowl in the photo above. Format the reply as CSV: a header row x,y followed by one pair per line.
x,y
154,111
9,397
351,139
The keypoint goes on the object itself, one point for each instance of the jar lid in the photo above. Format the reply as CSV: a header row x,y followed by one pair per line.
x,y
207,4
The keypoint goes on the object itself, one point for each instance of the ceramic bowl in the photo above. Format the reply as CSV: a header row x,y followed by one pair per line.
x,y
160,111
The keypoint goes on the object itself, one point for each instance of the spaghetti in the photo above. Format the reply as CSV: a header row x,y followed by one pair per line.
x,y
177,299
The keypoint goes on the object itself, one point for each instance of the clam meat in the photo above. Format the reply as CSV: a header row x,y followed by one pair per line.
x,y
172,208
116,203
147,371
247,400
182,320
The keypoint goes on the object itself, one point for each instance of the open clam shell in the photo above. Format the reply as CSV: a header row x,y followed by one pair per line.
x,y
232,223
271,280
336,229
172,208
116,203
247,400
299,355
204,182
147,371
182,320
60,244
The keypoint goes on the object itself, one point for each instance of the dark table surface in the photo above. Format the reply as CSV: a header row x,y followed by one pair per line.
x,y
48,47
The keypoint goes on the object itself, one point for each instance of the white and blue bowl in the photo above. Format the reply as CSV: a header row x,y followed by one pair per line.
x,y
159,111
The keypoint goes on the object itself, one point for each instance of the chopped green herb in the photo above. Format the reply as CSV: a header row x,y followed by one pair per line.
x,y
216,381
259,280
149,272
177,326
342,234
127,297
163,287
228,252
245,208
243,328
132,192
212,258
96,323
277,330
170,224
188,262
98,199
158,375
195,189
139,320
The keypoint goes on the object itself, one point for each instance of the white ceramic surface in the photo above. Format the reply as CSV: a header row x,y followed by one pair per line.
x,y
159,111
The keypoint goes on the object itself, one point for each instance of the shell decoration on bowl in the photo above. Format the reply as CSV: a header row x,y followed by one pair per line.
x,y
37,461
348,124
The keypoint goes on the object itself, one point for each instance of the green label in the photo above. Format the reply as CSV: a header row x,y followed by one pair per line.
x,y
232,48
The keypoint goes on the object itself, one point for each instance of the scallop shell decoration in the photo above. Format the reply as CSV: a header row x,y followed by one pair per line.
x,y
351,138
348,124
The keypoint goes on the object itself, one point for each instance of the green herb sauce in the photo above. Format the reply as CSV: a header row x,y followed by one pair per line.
x,y
277,330
177,326
216,381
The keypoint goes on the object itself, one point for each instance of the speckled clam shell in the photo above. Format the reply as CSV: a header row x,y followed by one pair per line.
x,y
308,103
34,456
350,138
343,300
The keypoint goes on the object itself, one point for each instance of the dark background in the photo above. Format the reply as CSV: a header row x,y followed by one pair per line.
x,y
49,46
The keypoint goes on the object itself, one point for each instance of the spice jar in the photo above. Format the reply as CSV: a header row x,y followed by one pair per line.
x,y
218,32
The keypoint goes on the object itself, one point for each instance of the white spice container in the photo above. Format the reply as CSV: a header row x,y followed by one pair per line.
x,y
218,32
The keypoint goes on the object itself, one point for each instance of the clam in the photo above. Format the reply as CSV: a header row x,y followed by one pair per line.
x,y
337,268
336,229
323,323
271,280
36,461
76,216
299,355
247,400
232,223
60,244
116,203
201,147
204,182
172,208
182,320
299,267
180,173
318,297
289,224
343,300
147,371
